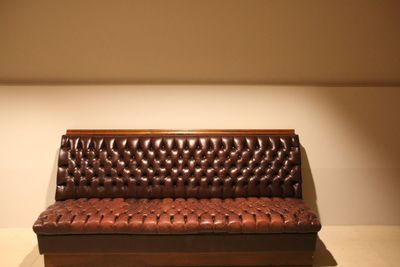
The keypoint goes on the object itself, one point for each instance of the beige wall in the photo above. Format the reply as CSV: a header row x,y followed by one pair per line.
x,y
350,134
200,41
350,137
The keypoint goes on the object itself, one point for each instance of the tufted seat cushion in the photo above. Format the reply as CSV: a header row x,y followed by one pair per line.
x,y
177,216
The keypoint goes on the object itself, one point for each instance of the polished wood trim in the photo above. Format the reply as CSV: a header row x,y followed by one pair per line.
x,y
75,132
302,258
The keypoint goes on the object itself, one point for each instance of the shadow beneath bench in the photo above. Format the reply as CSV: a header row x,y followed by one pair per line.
x,y
322,256
32,259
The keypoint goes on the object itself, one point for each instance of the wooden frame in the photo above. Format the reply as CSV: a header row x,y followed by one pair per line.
x,y
75,132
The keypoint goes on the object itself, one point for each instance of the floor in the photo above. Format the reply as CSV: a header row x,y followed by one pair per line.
x,y
338,246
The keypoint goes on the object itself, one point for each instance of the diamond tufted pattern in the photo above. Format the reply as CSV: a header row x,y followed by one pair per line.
x,y
178,167
177,216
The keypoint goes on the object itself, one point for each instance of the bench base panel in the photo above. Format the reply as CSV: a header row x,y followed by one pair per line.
x,y
126,244
269,258
177,250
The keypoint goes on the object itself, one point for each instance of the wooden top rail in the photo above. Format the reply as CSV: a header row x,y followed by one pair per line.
x,y
181,132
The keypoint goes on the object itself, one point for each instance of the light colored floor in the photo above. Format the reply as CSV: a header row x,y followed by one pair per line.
x,y
338,246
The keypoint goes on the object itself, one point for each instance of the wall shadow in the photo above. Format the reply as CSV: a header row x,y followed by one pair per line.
x,y
33,259
51,188
308,185
322,256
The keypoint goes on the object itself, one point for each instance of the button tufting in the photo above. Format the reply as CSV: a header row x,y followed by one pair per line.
x,y
288,215
228,157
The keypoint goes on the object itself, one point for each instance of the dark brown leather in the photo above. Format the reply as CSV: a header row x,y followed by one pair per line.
x,y
179,166
177,216
177,185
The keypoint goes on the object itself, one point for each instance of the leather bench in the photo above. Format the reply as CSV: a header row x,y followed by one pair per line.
x,y
178,198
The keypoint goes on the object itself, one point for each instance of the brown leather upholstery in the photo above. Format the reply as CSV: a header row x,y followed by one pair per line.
x,y
177,216
225,194
159,166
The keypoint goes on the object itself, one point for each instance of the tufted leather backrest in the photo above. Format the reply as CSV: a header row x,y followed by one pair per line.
x,y
178,166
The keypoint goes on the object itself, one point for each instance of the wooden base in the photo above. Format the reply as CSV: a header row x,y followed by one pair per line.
x,y
270,258
177,250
